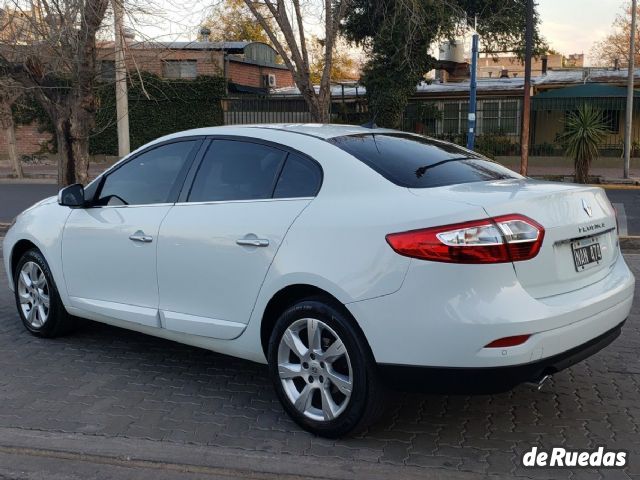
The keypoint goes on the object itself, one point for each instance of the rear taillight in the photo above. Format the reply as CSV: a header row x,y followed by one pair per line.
x,y
508,238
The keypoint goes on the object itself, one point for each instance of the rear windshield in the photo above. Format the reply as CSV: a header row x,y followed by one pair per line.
x,y
419,162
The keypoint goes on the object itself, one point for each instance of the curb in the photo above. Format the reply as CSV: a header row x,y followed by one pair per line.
x,y
212,460
616,186
29,180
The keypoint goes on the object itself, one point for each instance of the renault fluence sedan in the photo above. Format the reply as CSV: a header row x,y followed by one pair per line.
x,y
346,258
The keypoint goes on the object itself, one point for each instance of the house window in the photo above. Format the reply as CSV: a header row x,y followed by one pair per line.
x,y
500,116
454,117
180,69
107,71
611,120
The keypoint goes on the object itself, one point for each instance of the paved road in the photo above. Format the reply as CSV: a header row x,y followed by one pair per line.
x,y
113,394
630,201
15,197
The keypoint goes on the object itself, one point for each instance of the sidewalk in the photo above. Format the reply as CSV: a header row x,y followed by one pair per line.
x,y
607,176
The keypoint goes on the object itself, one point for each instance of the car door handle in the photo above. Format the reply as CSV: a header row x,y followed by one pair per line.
x,y
253,242
140,236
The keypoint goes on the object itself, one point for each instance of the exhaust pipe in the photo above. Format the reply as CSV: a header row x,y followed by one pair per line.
x,y
538,385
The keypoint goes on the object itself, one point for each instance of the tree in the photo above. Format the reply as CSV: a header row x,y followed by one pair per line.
x,y
397,36
57,66
232,20
9,93
343,67
13,29
584,130
614,48
288,38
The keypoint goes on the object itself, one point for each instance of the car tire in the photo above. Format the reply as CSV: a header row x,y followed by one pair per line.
x,y
333,389
37,298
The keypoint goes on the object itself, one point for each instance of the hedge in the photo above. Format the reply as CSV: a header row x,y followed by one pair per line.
x,y
157,107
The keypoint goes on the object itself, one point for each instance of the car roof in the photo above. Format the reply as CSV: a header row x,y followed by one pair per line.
x,y
317,130
323,131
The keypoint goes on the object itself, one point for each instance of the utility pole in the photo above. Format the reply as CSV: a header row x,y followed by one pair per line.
x,y
122,100
473,88
526,101
629,112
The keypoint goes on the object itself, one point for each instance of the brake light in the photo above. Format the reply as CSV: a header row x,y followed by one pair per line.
x,y
508,341
508,238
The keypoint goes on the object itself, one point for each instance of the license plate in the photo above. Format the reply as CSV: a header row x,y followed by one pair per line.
x,y
586,254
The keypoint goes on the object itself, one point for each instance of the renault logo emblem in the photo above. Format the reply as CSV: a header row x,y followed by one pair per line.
x,y
587,207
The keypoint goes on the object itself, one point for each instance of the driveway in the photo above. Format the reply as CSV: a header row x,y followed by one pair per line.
x,y
115,396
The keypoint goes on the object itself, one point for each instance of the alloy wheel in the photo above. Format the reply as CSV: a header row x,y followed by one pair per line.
x,y
315,369
33,292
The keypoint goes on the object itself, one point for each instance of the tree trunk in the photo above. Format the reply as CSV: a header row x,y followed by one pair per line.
x,y
324,107
80,144
319,105
582,170
13,149
66,164
9,127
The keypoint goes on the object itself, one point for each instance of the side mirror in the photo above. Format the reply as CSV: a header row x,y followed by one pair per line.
x,y
72,196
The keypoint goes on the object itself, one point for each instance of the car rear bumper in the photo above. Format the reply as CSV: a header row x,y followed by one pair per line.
x,y
491,379
444,316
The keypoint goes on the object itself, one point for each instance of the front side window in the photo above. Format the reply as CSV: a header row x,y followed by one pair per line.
x,y
237,170
149,177
419,162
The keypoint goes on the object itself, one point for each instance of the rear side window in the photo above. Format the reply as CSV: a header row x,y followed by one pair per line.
x,y
418,162
236,170
300,177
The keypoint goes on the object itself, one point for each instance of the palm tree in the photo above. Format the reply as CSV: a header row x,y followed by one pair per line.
x,y
583,132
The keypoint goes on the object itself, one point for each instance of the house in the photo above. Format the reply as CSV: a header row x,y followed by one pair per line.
x,y
496,66
249,67
441,109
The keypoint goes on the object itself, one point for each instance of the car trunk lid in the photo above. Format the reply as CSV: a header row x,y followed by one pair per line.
x,y
580,244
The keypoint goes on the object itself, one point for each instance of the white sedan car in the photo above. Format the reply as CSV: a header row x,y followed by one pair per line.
x,y
346,258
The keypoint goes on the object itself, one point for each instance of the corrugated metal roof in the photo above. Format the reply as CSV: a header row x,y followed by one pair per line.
x,y
577,77
202,45
586,90
232,47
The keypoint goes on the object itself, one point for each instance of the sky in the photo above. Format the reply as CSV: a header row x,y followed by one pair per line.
x,y
569,26
572,26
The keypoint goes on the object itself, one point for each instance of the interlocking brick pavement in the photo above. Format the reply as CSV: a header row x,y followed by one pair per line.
x,y
108,382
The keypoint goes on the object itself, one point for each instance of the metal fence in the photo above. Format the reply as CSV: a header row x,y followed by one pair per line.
x,y
497,122
548,117
497,127
276,109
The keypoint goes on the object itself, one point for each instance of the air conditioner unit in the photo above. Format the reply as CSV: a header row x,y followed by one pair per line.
x,y
269,80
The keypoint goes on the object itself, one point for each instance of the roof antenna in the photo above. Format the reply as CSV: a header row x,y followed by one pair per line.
x,y
371,123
